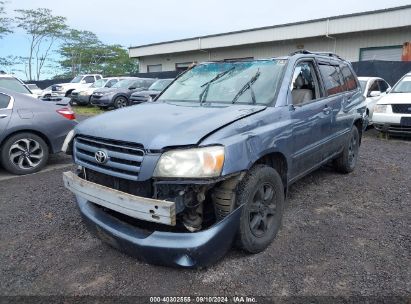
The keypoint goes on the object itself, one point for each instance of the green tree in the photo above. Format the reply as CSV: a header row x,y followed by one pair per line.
x,y
43,30
5,23
83,52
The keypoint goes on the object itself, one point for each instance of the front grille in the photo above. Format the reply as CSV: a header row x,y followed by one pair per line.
x,y
401,108
124,159
143,189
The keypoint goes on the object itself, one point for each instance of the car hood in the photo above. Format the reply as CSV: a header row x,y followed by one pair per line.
x,y
160,125
391,98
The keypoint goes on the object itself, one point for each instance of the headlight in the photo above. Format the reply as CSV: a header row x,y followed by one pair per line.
x,y
59,88
67,141
191,163
380,108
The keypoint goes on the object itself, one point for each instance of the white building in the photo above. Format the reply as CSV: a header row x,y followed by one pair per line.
x,y
373,35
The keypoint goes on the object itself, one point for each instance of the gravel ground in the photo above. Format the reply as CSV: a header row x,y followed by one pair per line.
x,y
342,235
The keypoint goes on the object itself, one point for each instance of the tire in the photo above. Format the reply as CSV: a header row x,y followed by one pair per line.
x,y
24,153
347,161
262,194
120,102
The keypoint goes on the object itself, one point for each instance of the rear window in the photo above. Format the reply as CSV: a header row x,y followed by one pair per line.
x,y
13,85
4,101
349,78
332,80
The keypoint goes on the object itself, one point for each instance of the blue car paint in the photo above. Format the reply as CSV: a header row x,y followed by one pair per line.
x,y
305,136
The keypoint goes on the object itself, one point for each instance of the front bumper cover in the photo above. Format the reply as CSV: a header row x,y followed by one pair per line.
x,y
189,250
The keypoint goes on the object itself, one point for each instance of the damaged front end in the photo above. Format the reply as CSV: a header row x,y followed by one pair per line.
x,y
172,222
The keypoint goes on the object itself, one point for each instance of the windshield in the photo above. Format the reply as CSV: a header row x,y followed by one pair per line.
x,y
160,85
124,83
363,84
99,83
14,85
404,86
228,82
76,79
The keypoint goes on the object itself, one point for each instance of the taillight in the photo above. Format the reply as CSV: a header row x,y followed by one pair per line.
x,y
67,113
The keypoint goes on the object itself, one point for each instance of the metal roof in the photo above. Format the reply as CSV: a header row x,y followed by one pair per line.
x,y
364,21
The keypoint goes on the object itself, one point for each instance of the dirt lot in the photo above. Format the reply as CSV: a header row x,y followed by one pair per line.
x,y
342,235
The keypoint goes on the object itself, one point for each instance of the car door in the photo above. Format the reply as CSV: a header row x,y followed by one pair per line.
x,y
6,108
335,94
310,118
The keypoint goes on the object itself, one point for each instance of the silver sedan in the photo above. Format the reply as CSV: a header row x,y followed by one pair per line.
x,y
30,130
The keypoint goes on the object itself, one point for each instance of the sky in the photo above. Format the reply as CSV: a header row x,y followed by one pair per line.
x,y
134,22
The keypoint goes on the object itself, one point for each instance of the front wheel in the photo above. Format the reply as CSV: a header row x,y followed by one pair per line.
x,y
347,161
120,102
262,194
24,153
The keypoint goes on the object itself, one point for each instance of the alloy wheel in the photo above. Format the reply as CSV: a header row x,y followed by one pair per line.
x,y
26,153
262,210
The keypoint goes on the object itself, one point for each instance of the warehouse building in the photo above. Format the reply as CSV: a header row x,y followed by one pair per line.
x,y
374,35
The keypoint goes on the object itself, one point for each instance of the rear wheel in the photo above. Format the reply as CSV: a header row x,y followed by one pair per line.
x,y
262,194
347,161
24,153
120,102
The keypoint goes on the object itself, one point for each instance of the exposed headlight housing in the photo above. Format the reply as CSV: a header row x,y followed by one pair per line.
x,y
191,163
67,144
379,108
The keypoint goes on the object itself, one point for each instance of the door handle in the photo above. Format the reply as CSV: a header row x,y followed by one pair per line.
x,y
327,110
3,116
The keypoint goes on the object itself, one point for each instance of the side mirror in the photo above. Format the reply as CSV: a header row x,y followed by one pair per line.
x,y
388,90
83,81
374,93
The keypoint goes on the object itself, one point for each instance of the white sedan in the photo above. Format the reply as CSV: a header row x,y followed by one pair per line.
x,y
392,113
374,88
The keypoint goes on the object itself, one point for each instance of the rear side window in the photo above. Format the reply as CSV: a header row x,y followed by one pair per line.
x,y
4,101
89,79
349,78
332,80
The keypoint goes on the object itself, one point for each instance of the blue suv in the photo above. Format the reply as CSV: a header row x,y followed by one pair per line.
x,y
209,163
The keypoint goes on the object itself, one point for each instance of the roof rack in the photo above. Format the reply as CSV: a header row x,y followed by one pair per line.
x,y
329,54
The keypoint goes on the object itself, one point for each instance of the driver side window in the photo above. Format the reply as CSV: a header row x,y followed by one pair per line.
x,y
4,101
304,85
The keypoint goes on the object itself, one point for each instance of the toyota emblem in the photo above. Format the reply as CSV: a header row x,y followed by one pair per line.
x,y
101,157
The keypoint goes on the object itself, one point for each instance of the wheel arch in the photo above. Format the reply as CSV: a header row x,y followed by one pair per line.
x,y
69,92
278,161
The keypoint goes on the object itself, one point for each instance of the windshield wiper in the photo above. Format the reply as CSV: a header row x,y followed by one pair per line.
x,y
247,86
203,94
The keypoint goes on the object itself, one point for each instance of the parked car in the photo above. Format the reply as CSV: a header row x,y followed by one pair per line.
x,y
35,89
30,130
392,113
118,95
374,88
78,82
15,84
151,93
176,181
82,97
